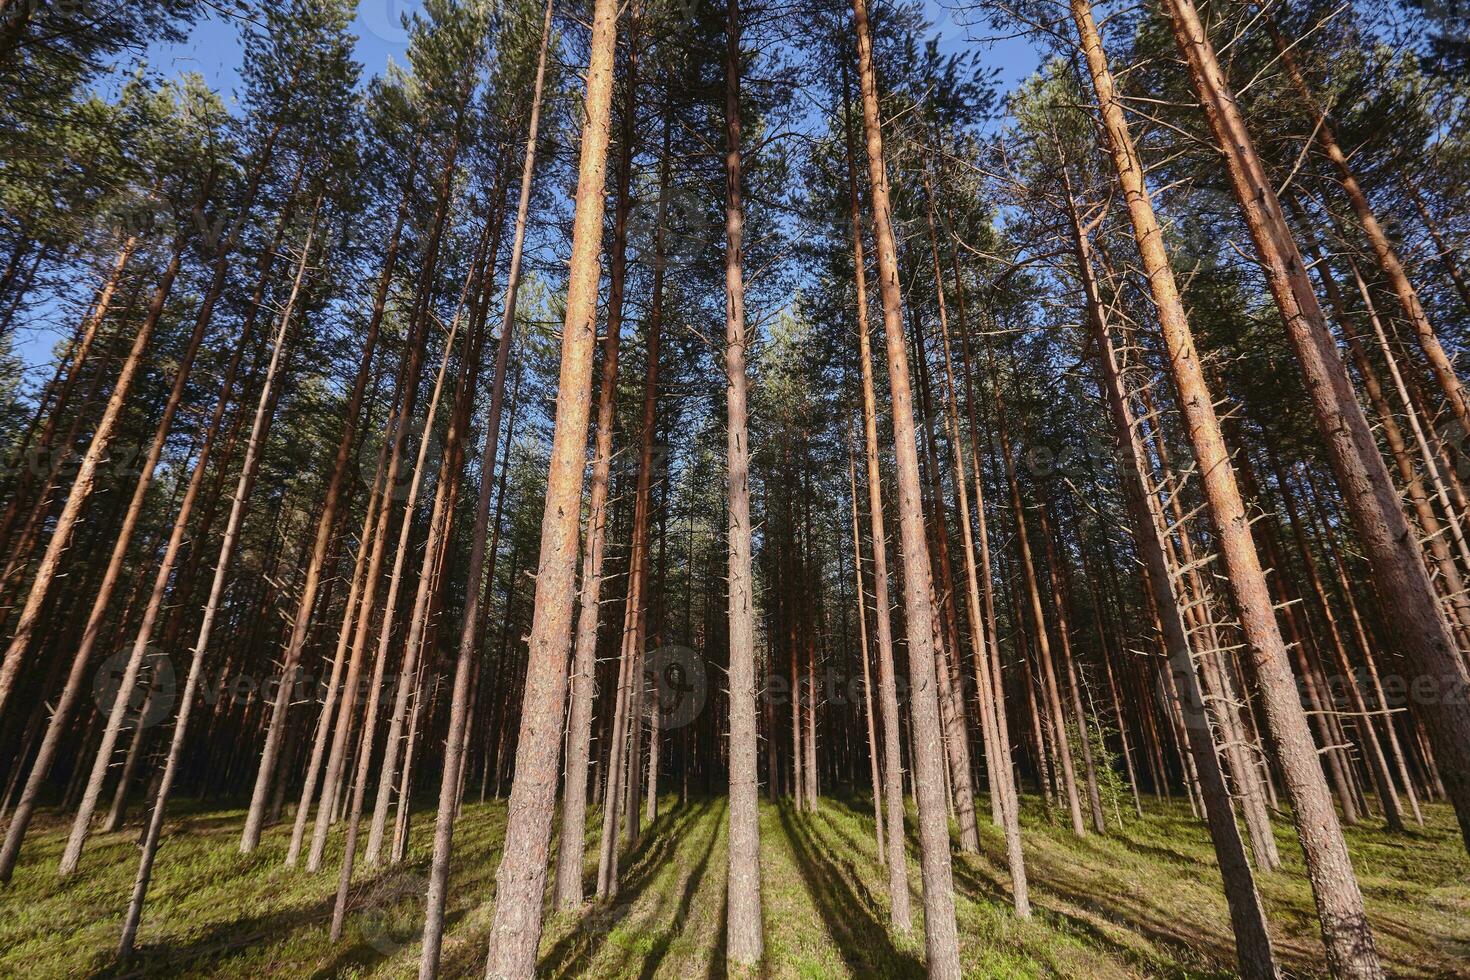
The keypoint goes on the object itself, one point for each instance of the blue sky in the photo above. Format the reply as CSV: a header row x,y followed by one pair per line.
x,y
214,50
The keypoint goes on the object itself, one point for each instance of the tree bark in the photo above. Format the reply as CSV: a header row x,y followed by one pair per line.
x,y
862,609
1345,930
744,944
941,938
1410,601
521,879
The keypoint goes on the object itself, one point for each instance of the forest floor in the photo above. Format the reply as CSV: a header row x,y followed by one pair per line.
x,y
1144,900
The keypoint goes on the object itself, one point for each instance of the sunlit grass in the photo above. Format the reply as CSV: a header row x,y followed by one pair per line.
x,y
1144,900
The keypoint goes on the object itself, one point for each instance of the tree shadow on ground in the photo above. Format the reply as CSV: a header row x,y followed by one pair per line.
x,y
573,952
220,943
1077,902
860,937
676,916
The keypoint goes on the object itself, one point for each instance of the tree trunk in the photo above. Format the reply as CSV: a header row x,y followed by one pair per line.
x,y
744,944
588,613
1345,929
301,624
473,615
1383,250
1247,914
1410,601
390,608
1050,689
1434,532
862,609
521,879
398,424
77,358
72,690
143,640
81,488
1059,598
253,447
899,916
941,938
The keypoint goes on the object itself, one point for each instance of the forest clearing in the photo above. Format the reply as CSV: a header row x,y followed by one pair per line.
x,y
793,488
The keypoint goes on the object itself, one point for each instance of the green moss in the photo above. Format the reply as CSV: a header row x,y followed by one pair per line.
x,y
1144,900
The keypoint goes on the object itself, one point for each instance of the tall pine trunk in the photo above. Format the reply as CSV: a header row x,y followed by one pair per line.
x,y
1410,601
326,523
456,740
941,937
744,944
515,932
1345,930
81,488
1247,914
254,447
899,915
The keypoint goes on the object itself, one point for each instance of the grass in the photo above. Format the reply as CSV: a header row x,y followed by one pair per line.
x,y
1142,901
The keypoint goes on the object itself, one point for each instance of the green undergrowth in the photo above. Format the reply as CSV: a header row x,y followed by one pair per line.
x,y
1143,900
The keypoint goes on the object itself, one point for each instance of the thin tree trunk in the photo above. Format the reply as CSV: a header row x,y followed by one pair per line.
x,y
1345,929
396,435
744,944
1050,689
862,607
941,937
1247,914
1452,582
320,740
899,915
143,640
253,447
390,608
72,690
301,624
82,348
1383,250
1059,598
482,267
473,615
1446,252
81,488
1368,745
1002,766
951,701
1410,600
515,933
